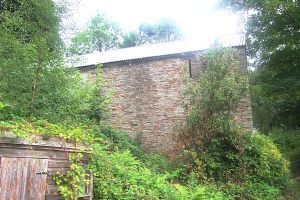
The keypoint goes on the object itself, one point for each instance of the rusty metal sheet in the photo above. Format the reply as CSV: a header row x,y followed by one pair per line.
x,y
21,178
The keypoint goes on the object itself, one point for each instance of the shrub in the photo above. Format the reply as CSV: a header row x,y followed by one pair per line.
x,y
215,148
157,163
118,139
265,162
250,162
288,142
119,175
252,190
200,192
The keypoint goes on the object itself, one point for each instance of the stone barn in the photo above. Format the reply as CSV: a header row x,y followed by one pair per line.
x,y
148,84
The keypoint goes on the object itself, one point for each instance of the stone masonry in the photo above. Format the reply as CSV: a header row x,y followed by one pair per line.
x,y
147,102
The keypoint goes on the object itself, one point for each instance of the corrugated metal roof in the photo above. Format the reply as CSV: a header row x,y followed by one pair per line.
x,y
154,50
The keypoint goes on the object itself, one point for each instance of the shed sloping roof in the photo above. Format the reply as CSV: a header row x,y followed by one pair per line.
x,y
154,50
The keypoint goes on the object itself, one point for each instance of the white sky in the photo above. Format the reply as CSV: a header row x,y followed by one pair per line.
x,y
199,19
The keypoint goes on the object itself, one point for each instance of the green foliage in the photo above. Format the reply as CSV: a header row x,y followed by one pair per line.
x,y
81,43
118,140
288,142
213,98
60,94
29,40
1,105
29,22
165,30
216,149
263,112
240,159
119,175
253,190
32,130
293,191
34,81
265,161
131,39
71,185
277,57
101,34
99,99
157,163
200,192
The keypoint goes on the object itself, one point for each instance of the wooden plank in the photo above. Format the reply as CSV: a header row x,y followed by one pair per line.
x,y
54,171
19,179
39,142
38,185
50,180
28,153
51,190
90,190
49,148
13,173
53,197
58,163
40,153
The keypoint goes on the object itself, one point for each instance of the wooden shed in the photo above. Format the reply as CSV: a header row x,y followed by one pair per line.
x,y
27,169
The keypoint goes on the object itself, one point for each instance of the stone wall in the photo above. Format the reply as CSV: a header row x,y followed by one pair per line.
x,y
148,96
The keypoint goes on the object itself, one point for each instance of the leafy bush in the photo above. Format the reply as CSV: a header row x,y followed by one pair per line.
x,y
213,99
252,190
247,161
215,148
200,192
288,142
119,140
120,175
265,162
35,83
157,163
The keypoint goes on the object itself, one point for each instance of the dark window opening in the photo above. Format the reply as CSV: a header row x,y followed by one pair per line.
x,y
190,68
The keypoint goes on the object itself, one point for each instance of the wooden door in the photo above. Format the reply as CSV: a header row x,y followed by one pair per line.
x,y
23,178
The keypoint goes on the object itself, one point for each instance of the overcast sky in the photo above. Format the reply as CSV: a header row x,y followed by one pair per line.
x,y
199,19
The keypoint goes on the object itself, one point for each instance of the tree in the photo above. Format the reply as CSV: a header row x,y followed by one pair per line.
x,y
165,30
274,41
216,148
101,34
213,99
34,80
131,39
29,40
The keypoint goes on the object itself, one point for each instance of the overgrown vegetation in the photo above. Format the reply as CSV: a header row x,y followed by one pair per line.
x,y
117,172
275,81
215,157
277,56
228,163
216,147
